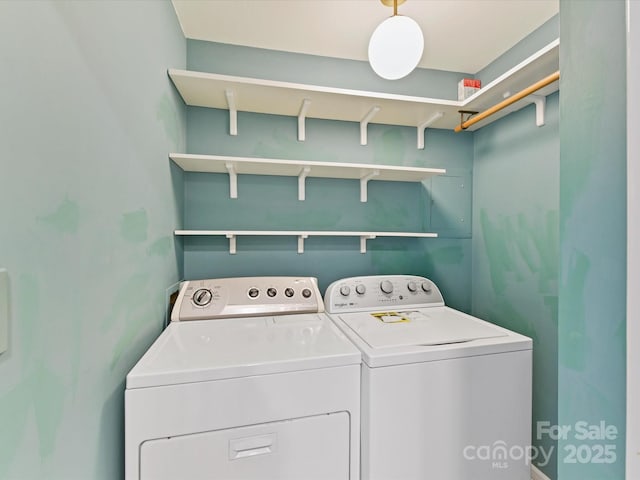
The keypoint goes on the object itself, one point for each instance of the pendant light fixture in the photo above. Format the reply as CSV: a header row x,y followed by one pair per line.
x,y
396,45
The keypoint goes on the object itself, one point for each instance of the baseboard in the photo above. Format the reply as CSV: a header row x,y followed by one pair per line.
x,y
537,474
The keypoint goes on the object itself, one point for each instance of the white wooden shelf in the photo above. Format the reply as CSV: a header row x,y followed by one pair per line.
x,y
302,235
235,166
312,101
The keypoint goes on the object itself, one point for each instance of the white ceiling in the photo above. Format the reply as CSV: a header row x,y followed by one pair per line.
x,y
460,35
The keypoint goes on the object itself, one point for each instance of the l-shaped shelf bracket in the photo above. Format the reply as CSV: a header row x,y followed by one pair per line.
x,y
301,239
541,102
365,122
232,243
422,127
363,242
233,112
233,179
363,184
304,172
302,118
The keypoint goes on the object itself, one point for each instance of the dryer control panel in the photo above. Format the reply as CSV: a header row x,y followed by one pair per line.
x,y
375,292
246,297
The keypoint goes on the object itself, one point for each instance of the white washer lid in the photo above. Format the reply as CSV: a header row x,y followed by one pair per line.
x,y
230,348
427,326
439,333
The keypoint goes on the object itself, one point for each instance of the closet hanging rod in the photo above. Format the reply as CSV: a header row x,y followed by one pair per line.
x,y
509,101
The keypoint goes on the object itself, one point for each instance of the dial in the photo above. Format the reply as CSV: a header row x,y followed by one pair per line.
x,y
288,292
271,292
254,292
426,287
360,289
202,297
306,293
386,286
411,286
345,290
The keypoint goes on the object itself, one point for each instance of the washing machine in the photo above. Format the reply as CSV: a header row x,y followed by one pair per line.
x,y
250,380
445,395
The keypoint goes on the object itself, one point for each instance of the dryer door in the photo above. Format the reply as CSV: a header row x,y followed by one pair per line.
x,y
313,448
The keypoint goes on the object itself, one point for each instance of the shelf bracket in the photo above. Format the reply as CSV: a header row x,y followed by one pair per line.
x,y
233,179
301,119
541,103
301,239
364,122
421,128
233,112
363,242
363,184
301,182
232,243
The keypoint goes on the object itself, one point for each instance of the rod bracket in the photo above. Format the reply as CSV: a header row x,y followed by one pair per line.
x,y
541,102
462,113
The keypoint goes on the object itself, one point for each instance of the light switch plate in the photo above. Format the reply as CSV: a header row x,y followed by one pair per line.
x,y
4,310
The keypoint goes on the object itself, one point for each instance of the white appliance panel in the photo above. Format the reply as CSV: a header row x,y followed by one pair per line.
x,y
418,419
228,348
312,448
427,327
246,297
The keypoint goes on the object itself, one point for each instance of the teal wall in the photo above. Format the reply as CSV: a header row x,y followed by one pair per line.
x,y
88,206
515,244
539,38
592,286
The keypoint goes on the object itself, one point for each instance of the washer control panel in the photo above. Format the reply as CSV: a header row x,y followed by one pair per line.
x,y
246,297
377,292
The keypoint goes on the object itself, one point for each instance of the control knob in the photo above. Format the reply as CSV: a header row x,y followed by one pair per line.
x,y
426,287
306,293
202,297
386,286
360,289
345,290
411,286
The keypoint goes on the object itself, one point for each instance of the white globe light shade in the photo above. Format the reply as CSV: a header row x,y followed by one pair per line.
x,y
396,47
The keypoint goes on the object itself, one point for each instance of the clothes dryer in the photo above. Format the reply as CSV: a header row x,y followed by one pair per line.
x,y
445,395
249,381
